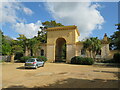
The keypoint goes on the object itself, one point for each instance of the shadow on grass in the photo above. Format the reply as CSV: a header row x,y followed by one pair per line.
x,y
74,83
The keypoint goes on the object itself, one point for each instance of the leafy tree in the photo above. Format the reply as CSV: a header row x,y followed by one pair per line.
x,y
42,36
6,44
115,39
118,26
16,48
93,45
1,35
34,45
6,49
64,51
23,42
10,47
51,24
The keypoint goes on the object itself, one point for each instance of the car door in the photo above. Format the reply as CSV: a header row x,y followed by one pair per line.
x,y
38,62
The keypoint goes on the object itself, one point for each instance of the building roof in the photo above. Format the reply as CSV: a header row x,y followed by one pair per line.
x,y
63,28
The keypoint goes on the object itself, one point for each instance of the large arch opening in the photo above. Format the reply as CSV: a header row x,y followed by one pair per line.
x,y
60,50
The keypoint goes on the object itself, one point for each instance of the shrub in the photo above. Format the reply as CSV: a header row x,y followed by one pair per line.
x,y
18,56
87,61
24,58
42,58
76,60
116,57
82,61
108,61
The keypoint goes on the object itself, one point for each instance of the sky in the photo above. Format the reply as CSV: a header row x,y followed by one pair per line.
x,y
93,19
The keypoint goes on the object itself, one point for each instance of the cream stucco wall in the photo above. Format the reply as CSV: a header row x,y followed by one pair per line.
x,y
105,51
73,46
70,36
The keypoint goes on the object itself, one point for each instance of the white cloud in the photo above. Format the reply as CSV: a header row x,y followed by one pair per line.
x,y
29,30
83,14
27,11
8,14
10,10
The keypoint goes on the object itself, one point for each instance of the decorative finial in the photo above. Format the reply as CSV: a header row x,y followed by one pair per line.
x,y
105,35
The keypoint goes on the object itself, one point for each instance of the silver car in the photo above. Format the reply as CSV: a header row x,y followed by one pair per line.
x,y
34,63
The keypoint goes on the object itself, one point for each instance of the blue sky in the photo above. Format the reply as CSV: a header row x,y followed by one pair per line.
x,y
29,15
110,14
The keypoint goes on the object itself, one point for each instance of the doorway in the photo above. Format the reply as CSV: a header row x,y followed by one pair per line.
x,y
60,50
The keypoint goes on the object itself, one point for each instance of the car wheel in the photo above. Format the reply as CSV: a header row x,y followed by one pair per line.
x,y
35,67
43,65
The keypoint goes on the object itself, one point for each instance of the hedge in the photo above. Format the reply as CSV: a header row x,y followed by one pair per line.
x,y
116,57
81,60
42,58
25,58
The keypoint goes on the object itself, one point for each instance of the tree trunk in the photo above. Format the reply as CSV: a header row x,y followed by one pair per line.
x,y
26,51
31,52
90,54
94,56
12,58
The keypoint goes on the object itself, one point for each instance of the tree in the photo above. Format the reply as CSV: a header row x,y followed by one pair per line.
x,y
6,44
16,48
93,45
6,49
42,35
64,51
118,26
1,34
34,45
51,24
115,39
23,42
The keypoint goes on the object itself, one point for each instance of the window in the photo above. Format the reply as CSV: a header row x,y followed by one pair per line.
x,y
83,52
39,60
42,52
30,60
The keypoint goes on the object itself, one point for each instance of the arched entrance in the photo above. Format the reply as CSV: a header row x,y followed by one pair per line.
x,y
59,37
60,50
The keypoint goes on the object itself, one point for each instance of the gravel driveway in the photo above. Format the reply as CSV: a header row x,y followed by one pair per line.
x,y
59,75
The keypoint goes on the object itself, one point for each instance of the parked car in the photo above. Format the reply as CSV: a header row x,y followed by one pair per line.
x,y
34,63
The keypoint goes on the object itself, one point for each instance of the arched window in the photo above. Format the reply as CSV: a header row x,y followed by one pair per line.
x,y
42,52
83,51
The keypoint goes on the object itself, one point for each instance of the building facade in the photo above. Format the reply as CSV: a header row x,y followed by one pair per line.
x,y
68,35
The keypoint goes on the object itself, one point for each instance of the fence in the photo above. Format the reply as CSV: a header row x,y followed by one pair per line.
x,y
5,58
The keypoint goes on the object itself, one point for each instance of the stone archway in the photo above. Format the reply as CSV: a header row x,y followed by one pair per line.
x,y
56,37
60,50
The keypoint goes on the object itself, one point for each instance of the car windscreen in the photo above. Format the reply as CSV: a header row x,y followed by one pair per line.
x,y
39,60
30,60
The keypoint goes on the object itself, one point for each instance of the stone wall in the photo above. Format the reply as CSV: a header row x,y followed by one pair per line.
x,y
70,36
105,51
